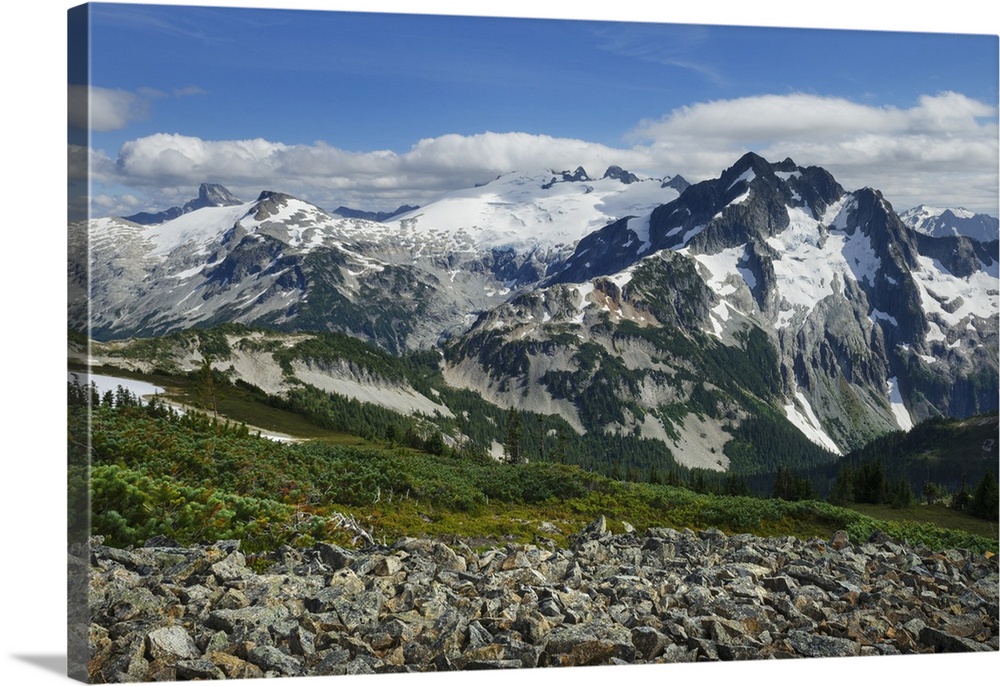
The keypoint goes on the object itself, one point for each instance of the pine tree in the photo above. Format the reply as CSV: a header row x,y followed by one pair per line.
x,y
512,440
207,387
843,491
434,443
986,498
902,493
960,501
933,492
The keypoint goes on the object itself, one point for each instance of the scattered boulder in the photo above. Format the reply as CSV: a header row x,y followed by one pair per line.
x,y
166,612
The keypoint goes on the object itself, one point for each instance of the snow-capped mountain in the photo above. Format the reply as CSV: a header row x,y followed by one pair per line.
x,y
858,324
769,300
939,222
525,224
546,211
284,262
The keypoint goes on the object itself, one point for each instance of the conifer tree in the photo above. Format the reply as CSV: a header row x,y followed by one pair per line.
x,y
512,440
207,387
986,498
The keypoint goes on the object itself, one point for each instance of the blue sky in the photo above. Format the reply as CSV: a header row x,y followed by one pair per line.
x,y
377,110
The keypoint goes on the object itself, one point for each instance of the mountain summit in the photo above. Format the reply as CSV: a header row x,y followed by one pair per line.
x,y
209,195
855,324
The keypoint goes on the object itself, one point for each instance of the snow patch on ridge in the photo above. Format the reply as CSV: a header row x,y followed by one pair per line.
x,y
748,176
941,291
800,413
815,262
899,410
641,227
199,228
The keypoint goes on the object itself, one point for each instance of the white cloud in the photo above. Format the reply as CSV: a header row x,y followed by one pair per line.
x,y
942,149
109,110
330,176
106,109
945,146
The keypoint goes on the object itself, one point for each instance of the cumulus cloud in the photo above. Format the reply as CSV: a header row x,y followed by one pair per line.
x,y
941,149
330,176
945,145
107,109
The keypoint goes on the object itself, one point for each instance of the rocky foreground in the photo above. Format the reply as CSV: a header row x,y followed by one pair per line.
x,y
165,612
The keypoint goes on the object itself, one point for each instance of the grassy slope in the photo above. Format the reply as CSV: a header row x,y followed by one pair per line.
x,y
238,405
214,483
937,515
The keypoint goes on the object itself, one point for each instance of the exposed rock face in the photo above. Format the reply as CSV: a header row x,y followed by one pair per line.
x,y
350,213
874,326
664,596
616,172
209,195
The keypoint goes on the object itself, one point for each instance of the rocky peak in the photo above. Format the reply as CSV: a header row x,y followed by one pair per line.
x,y
678,183
209,195
750,163
616,172
579,174
213,195
268,203
815,186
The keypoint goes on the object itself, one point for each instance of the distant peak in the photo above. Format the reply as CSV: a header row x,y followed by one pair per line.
x,y
616,172
351,213
216,195
209,195
579,174
678,183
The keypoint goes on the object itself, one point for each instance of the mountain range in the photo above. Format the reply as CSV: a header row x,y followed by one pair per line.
x,y
936,221
715,320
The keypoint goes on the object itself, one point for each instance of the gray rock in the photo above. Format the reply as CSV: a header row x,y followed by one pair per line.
x,y
943,642
252,617
649,642
270,659
171,643
818,645
200,669
233,567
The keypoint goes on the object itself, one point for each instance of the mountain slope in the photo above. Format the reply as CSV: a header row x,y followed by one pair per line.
x,y
862,324
765,316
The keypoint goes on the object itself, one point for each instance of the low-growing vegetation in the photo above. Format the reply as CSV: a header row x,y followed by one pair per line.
x,y
198,478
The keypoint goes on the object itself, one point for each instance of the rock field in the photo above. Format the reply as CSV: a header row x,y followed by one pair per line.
x,y
166,612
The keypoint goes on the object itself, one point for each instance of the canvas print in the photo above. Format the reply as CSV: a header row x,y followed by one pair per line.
x,y
408,343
